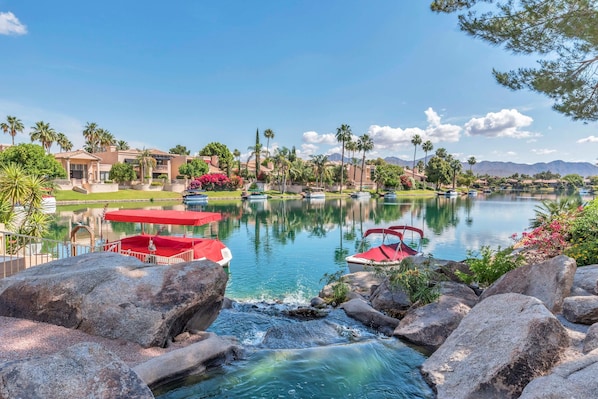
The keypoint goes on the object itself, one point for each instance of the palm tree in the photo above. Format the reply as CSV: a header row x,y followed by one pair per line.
x,y
441,153
343,135
471,161
91,134
283,165
43,133
105,140
365,144
455,166
427,147
13,127
146,161
268,134
122,145
63,142
415,140
351,146
319,162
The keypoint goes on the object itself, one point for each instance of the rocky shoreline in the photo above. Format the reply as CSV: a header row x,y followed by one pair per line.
x,y
135,327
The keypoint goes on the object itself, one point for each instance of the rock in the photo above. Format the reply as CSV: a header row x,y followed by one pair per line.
x,y
449,270
431,324
504,342
581,309
591,340
116,296
306,313
586,278
191,360
390,300
307,334
549,281
360,310
318,302
571,380
360,283
82,371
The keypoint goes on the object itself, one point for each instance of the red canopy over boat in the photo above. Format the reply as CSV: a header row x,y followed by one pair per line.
x,y
158,216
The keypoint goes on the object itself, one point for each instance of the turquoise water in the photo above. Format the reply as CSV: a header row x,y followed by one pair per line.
x,y
281,252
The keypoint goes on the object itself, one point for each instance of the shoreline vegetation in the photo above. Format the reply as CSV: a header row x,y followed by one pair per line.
x,y
66,197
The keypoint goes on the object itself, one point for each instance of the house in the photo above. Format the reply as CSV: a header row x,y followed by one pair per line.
x,y
163,162
81,166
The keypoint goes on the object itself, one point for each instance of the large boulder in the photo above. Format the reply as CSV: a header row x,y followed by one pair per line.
x,y
581,309
360,310
82,371
549,281
116,296
431,324
391,300
574,379
498,348
586,279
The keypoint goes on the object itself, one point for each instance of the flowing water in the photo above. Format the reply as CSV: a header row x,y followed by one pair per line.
x,y
281,252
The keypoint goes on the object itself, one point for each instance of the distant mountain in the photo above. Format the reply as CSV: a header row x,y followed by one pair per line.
x,y
505,169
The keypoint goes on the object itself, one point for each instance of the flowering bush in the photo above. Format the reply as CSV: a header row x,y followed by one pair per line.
x,y
213,182
406,182
549,239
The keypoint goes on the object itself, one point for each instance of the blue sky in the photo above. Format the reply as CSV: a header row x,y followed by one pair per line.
x,y
158,74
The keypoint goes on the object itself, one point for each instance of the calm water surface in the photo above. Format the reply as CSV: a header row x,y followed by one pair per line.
x,y
281,251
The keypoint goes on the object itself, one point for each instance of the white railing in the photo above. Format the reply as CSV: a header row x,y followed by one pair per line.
x,y
19,252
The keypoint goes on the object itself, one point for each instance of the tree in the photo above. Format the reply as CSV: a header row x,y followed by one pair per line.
x,y
256,151
427,146
43,133
438,171
91,134
388,175
441,153
225,157
34,160
12,126
122,172
319,162
283,165
455,167
343,135
560,32
63,142
179,150
416,140
146,162
471,161
105,140
268,134
122,145
364,144
237,154
196,168
351,146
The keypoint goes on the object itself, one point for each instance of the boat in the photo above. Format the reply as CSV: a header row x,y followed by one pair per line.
x,y
192,197
451,193
390,196
387,253
48,204
255,195
585,191
315,193
166,250
472,193
361,195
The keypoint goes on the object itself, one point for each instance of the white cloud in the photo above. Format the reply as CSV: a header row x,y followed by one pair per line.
x,y
590,139
505,123
501,154
312,137
543,151
307,150
10,24
389,138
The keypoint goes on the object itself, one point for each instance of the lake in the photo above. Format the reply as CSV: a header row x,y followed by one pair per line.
x,y
281,251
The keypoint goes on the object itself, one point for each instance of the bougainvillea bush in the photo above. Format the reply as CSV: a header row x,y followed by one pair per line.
x,y
216,182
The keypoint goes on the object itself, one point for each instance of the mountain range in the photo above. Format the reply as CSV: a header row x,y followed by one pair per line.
x,y
505,169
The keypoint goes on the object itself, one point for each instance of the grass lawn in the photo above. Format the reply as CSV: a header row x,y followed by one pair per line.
x,y
120,195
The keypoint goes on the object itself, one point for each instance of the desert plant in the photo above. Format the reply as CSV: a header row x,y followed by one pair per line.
x,y
488,265
418,281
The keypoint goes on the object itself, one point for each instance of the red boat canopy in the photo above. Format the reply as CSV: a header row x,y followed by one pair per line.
x,y
157,216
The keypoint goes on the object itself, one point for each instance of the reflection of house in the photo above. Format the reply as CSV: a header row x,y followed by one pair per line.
x,y
80,165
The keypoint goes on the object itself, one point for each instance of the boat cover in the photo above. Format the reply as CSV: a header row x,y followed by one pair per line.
x,y
387,253
158,216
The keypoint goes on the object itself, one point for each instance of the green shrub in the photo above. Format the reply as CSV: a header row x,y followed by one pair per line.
x,y
339,288
584,236
418,281
491,264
